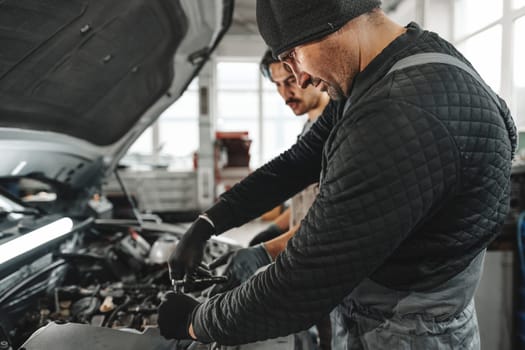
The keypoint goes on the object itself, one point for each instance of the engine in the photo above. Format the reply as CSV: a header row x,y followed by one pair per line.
x,y
111,276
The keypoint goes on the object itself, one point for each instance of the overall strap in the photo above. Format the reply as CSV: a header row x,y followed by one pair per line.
x,y
436,57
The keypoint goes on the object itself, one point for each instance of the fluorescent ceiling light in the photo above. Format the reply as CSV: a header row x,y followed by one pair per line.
x,y
35,239
18,168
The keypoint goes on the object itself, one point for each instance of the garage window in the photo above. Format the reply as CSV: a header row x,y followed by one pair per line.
x,y
519,69
172,139
488,33
487,62
473,15
246,101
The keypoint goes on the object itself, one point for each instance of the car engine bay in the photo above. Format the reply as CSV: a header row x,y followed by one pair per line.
x,y
110,274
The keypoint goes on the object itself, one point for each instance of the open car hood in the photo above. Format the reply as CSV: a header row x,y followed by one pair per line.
x,y
80,80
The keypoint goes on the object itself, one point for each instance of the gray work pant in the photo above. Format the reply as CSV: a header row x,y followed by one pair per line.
x,y
376,317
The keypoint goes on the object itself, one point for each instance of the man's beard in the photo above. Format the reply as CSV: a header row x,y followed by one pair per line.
x,y
335,92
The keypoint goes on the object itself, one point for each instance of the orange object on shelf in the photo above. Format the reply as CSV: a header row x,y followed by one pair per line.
x,y
237,145
231,134
232,158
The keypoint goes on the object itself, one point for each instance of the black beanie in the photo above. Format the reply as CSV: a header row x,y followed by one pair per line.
x,y
285,24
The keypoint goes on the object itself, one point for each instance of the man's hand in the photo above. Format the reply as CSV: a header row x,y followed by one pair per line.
x,y
240,266
189,251
175,316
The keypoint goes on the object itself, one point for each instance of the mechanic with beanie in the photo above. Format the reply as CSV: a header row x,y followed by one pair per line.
x,y
414,185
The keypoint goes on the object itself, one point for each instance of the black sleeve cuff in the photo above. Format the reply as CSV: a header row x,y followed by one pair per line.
x,y
198,328
222,216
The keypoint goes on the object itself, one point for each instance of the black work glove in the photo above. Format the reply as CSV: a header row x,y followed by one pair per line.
x,y
265,235
175,316
240,266
188,253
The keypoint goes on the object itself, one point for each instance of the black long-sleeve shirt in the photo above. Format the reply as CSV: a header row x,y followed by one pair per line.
x,y
414,184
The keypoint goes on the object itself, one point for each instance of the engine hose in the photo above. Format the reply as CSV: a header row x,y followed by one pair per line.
x,y
30,280
107,322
